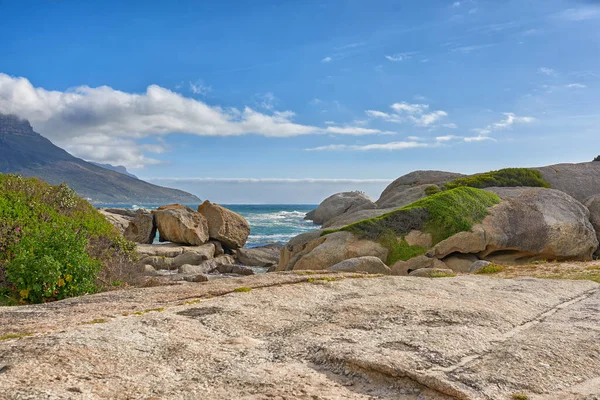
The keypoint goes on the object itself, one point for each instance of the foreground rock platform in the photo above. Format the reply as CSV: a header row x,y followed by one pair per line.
x,y
311,336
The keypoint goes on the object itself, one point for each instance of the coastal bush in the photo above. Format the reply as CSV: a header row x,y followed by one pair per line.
x,y
442,215
508,177
53,244
400,250
432,189
597,158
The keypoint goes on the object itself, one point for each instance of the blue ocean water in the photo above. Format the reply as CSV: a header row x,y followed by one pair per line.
x,y
269,223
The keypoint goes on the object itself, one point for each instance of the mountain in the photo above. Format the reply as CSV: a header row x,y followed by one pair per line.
x,y
118,168
25,152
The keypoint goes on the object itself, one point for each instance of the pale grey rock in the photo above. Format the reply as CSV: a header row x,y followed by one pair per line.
x,y
431,272
141,229
195,278
233,269
224,225
580,181
368,264
119,221
264,256
200,254
349,218
180,224
460,262
478,265
148,269
593,205
339,204
403,268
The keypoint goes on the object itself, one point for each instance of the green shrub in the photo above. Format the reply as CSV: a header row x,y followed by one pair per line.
x,y
597,158
508,177
490,269
400,250
432,189
53,244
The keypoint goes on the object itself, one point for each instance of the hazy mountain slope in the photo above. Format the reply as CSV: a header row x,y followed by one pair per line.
x,y
26,152
117,168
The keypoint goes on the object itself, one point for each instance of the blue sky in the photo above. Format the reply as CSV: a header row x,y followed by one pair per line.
x,y
290,101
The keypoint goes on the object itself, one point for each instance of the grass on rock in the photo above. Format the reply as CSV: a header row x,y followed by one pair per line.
x,y
508,177
443,214
490,269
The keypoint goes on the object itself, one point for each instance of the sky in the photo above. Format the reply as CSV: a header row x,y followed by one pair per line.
x,y
285,101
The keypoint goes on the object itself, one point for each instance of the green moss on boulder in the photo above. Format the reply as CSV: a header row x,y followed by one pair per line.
x,y
442,215
508,177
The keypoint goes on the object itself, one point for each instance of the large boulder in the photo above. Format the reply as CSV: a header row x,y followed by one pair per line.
x,y
538,223
119,221
581,181
141,229
411,187
326,251
226,226
367,264
593,204
181,224
339,204
264,256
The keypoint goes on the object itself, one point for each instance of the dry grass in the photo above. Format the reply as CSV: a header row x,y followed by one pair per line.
x,y
554,270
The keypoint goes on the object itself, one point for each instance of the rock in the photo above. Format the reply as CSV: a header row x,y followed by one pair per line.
x,y
593,205
411,187
349,218
181,224
218,247
331,249
580,181
537,223
460,262
474,241
295,248
207,266
403,268
418,238
193,269
226,226
368,264
168,249
339,204
148,269
233,269
200,254
158,262
119,221
478,265
141,229
195,278
126,212
264,256
432,272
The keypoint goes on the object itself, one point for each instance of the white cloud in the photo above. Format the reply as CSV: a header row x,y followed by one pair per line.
x,y
547,71
369,147
580,14
479,138
510,120
326,60
576,86
399,57
471,48
456,4
72,117
354,130
329,123
315,102
447,138
266,101
415,113
200,88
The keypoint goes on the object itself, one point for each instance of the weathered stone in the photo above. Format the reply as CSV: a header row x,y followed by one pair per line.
x,y
195,278
296,247
263,256
460,262
233,269
159,262
537,223
593,204
226,226
141,229
181,224
119,221
148,269
194,269
339,204
403,268
418,238
580,181
207,266
478,265
202,253
432,272
167,249
463,242
368,264
336,247
218,247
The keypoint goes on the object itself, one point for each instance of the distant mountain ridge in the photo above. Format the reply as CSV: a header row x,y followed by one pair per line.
x,y
24,151
118,168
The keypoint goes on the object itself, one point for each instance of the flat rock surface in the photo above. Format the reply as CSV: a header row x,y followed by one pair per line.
x,y
311,336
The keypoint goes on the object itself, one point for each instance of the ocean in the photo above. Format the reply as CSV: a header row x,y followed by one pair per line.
x,y
269,223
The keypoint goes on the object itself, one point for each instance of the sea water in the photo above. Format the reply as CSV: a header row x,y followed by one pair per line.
x,y
269,223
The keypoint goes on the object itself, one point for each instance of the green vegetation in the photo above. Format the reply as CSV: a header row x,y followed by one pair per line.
x,y
490,269
597,158
508,177
243,289
520,396
14,336
53,244
400,250
433,189
441,274
328,279
95,321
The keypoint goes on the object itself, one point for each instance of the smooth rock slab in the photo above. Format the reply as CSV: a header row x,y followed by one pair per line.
x,y
468,337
